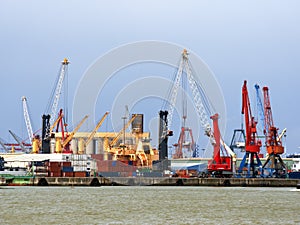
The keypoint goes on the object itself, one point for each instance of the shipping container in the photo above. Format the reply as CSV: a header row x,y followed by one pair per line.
x,y
67,169
80,174
67,174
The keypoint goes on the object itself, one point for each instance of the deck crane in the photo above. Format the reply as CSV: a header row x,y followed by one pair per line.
x,y
92,134
217,164
252,143
49,119
273,141
114,141
65,144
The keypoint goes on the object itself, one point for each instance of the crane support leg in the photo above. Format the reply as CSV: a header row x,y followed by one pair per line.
x,y
274,166
248,161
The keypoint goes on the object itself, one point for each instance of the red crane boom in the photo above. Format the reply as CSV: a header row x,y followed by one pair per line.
x,y
252,143
274,164
274,145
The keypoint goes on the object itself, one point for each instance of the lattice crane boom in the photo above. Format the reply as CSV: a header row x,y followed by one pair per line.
x,y
174,93
58,89
260,107
273,142
27,118
197,100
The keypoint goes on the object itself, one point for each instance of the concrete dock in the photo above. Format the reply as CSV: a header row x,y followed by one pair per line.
x,y
157,181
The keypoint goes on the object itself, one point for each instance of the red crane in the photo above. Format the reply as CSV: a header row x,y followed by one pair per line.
x,y
252,143
273,143
221,163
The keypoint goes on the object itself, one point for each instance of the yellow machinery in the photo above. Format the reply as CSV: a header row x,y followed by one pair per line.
x,y
141,153
65,146
114,141
82,144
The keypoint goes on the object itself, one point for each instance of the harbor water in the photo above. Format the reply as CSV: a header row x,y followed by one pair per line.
x,y
149,205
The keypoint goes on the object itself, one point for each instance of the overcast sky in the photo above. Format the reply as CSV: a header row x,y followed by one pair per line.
x,y
253,40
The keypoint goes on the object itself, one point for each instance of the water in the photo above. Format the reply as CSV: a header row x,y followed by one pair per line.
x,y
149,205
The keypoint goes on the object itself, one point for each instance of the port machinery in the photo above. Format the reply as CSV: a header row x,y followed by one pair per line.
x,y
224,159
251,161
274,164
49,118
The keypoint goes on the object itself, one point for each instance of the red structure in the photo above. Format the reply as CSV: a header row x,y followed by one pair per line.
x,y
252,143
220,162
274,147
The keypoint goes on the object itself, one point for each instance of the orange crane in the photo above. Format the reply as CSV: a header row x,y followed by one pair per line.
x,y
274,146
252,143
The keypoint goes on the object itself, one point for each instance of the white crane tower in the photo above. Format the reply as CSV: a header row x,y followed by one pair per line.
x,y
27,118
58,90
184,65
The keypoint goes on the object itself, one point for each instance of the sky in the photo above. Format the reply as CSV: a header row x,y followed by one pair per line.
x,y
257,41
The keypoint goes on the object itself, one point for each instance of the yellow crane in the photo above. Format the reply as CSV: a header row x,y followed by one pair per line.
x,y
113,142
55,122
92,134
66,143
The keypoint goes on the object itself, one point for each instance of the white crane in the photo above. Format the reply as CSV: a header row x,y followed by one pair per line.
x,y
58,90
27,118
184,65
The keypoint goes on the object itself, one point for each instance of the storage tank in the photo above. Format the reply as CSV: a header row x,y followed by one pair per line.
x,y
90,148
74,145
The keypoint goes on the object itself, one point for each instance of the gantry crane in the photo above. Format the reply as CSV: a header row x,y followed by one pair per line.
x,y
49,118
219,164
252,143
273,141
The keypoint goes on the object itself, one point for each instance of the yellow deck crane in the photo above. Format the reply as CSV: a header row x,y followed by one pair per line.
x,y
84,144
114,141
65,146
126,153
